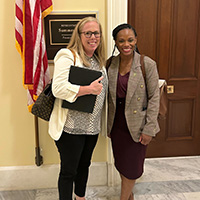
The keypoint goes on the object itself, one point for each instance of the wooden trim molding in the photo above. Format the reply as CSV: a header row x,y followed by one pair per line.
x,y
116,14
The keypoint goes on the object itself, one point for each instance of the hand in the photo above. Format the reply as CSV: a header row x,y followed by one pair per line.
x,y
96,86
145,139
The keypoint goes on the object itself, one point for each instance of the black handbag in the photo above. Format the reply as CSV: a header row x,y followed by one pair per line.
x,y
43,106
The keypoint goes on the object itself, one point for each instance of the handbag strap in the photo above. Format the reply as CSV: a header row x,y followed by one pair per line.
x,y
109,62
74,54
143,70
142,66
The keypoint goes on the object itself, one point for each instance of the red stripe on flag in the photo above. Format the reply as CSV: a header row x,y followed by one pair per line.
x,y
28,48
36,18
19,14
19,41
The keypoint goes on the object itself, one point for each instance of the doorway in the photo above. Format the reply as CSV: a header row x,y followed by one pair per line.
x,y
169,32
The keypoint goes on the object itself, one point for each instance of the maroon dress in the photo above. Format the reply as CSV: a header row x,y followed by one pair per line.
x,y
128,155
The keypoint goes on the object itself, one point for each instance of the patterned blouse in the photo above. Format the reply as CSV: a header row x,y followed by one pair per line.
x,y
88,123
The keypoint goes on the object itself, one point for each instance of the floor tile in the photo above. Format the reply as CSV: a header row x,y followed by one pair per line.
x,y
18,195
47,194
163,179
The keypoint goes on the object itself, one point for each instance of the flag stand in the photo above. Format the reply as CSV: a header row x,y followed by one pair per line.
x,y
38,158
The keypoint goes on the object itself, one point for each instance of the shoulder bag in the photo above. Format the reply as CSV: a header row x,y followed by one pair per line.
x,y
43,106
163,92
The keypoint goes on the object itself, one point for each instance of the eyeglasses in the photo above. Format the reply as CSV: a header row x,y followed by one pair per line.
x,y
88,34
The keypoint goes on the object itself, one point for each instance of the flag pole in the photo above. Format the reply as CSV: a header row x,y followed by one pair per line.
x,y
38,158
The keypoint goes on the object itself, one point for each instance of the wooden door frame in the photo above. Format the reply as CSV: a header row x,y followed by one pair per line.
x,y
164,29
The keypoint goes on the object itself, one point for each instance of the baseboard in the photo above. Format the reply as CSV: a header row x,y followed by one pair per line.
x,y
113,176
45,176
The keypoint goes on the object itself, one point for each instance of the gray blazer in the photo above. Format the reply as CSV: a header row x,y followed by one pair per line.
x,y
141,111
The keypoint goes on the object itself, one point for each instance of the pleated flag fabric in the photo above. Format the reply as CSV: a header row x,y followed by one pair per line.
x,y
30,44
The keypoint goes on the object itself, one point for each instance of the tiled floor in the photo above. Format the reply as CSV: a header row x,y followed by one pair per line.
x,y
164,179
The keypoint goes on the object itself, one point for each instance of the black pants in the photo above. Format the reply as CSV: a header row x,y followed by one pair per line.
x,y
75,155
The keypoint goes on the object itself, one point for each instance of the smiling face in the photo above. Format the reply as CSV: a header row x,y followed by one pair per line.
x,y
90,44
126,41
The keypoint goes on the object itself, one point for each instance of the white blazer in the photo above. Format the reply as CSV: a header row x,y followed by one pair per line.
x,y
63,89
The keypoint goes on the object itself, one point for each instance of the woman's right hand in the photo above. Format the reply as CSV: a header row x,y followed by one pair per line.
x,y
96,86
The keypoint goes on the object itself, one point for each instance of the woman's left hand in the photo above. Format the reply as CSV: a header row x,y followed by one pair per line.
x,y
145,139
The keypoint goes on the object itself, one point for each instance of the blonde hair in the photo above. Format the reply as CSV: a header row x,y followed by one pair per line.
x,y
76,44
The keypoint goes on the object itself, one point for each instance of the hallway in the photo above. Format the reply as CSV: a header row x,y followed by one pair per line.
x,y
163,179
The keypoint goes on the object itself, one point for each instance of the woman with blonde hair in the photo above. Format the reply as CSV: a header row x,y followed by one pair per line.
x,y
76,132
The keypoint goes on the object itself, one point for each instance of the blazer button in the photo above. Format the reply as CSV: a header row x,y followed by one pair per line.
x,y
135,111
141,86
138,98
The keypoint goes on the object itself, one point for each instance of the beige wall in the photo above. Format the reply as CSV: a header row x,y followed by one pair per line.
x,y
17,140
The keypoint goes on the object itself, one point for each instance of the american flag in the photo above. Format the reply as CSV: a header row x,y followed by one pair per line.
x,y
31,45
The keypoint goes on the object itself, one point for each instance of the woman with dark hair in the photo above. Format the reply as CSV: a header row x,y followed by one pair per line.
x,y
75,132
133,107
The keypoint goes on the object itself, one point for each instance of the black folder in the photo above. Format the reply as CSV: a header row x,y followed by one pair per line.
x,y
82,76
